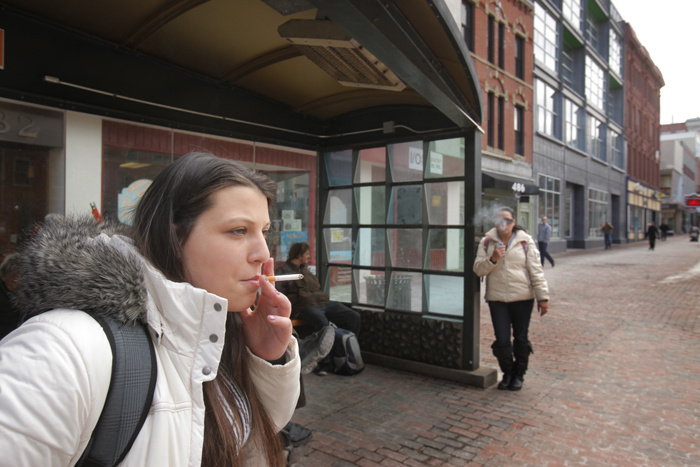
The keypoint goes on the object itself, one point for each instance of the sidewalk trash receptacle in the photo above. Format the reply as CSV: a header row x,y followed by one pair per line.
x,y
401,293
375,290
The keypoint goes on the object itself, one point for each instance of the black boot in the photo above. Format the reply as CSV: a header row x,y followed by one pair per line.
x,y
522,356
504,355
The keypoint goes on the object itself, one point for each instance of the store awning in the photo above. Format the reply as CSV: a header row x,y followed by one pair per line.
x,y
504,182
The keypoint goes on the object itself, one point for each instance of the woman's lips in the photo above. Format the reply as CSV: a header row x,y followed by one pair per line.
x,y
253,281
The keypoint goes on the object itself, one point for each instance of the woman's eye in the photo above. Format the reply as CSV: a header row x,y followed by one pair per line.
x,y
266,233
238,231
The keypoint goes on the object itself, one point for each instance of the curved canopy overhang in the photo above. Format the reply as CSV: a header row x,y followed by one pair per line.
x,y
312,73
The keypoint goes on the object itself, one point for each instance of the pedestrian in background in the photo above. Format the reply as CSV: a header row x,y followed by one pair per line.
x,y
652,233
607,229
514,279
663,228
544,233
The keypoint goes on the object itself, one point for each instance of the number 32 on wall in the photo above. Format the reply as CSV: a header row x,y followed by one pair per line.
x,y
28,126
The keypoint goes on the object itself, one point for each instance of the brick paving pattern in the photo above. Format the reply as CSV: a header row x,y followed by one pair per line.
x,y
615,380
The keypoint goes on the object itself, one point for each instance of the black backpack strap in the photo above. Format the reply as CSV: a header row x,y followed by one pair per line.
x,y
134,372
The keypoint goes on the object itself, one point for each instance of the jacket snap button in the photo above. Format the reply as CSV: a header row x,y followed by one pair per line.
x,y
213,338
217,307
206,370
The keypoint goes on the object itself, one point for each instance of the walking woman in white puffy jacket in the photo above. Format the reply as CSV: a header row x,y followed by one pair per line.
x,y
509,259
190,271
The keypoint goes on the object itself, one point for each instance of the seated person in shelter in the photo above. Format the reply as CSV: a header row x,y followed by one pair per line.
x,y
309,302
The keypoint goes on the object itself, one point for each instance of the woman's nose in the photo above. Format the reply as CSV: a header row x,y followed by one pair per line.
x,y
259,251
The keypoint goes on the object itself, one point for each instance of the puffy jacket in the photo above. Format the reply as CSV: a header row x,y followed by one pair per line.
x,y
514,277
304,293
55,369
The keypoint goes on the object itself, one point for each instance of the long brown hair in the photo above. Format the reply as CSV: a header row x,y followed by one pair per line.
x,y
163,222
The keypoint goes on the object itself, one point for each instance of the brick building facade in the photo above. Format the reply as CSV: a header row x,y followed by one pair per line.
x,y
642,129
499,35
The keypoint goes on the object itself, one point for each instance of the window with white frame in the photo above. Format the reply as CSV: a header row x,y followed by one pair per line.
x,y
615,149
597,212
549,201
595,83
546,38
572,124
615,52
595,137
546,116
519,130
571,9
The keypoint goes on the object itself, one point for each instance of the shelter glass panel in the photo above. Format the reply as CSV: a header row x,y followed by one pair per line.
x,y
369,247
339,207
445,294
405,248
446,158
406,161
445,203
340,280
405,291
369,287
445,250
371,165
339,167
369,201
405,206
338,242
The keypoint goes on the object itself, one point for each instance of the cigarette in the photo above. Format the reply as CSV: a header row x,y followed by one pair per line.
x,y
288,277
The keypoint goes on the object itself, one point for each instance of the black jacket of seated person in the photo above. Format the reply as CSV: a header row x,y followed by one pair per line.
x,y
311,304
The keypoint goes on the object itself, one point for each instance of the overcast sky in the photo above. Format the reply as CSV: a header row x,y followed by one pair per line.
x,y
669,31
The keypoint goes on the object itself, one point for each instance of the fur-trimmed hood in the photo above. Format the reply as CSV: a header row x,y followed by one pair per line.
x,y
70,263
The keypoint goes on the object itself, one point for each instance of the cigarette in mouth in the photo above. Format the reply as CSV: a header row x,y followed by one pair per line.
x,y
288,277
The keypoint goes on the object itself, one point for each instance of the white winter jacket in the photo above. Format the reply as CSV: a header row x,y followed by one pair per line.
x,y
55,372
514,277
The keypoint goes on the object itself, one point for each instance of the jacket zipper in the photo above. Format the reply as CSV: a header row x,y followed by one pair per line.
x,y
505,271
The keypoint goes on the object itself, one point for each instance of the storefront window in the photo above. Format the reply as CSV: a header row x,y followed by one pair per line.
x,y
133,155
597,212
549,202
32,170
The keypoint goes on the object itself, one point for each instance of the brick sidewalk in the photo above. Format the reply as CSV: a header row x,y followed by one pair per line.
x,y
615,380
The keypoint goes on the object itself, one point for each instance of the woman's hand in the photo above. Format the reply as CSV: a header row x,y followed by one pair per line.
x,y
268,329
543,307
498,253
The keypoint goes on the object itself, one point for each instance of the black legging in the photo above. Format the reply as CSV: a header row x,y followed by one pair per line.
x,y
513,314
336,312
